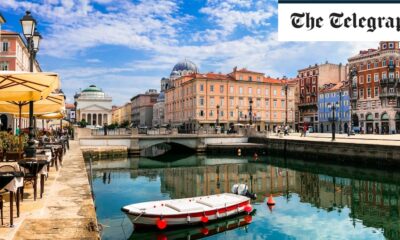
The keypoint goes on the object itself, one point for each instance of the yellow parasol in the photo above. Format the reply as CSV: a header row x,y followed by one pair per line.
x,y
52,103
24,86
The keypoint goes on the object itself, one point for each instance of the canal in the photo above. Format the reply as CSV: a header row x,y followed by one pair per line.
x,y
313,200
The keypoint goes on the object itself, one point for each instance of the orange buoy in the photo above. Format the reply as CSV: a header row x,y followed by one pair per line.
x,y
204,219
248,208
270,200
161,224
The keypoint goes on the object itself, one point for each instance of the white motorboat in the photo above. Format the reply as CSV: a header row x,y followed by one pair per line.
x,y
189,211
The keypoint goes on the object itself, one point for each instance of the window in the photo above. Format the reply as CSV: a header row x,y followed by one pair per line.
x,y
274,92
384,63
211,88
376,64
212,101
258,79
376,92
258,91
221,100
231,101
4,47
376,77
258,102
391,75
369,66
201,87
275,103
250,78
241,101
240,77
266,102
361,79
302,81
201,113
391,90
361,93
369,92
231,113
266,92
391,45
211,113
4,66
368,78
275,115
240,90
221,113
384,46
282,93
201,101
250,90
384,76
314,80
221,88
282,103
231,89
391,62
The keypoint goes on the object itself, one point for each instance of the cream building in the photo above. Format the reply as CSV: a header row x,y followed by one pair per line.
x,y
94,106
122,114
205,100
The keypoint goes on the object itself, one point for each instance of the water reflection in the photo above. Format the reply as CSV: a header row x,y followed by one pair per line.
x,y
313,200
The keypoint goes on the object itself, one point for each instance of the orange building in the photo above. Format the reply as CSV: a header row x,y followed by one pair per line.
x,y
375,88
206,100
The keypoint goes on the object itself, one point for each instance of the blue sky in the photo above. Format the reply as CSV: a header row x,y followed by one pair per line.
x,y
126,47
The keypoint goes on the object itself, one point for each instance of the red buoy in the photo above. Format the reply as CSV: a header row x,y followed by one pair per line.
x,y
204,231
248,208
248,218
161,224
204,219
270,200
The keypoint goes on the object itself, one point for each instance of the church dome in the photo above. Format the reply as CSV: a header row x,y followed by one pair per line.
x,y
185,65
92,88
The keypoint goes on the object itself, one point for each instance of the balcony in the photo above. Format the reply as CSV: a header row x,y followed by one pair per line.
x,y
309,104
389,94
313,94
354,96
389,81
354,85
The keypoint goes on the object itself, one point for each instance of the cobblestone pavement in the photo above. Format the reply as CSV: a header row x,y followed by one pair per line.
x,y
66,210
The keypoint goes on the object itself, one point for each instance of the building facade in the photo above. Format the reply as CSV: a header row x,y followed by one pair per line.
x,y
375,88
123,114
142,108
93,106
158,111
207,100
334,94
310,80
14,56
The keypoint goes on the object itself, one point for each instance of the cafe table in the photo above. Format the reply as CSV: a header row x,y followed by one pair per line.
x,y
36,166
12,182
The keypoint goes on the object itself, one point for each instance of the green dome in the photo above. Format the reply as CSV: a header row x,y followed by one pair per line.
x,y
92,88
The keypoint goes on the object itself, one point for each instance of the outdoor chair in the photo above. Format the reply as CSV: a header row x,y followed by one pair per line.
x,y
31,176
6,168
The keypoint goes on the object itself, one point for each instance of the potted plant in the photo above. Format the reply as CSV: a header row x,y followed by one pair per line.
x,y
2,145
14,150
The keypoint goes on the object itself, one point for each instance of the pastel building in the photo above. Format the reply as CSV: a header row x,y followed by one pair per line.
x,y
142,108
197,100
375,87
330,94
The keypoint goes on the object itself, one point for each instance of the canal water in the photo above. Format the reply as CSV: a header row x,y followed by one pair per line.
x,y
313,200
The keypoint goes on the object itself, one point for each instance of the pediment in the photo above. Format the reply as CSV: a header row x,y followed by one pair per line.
x,y
95,107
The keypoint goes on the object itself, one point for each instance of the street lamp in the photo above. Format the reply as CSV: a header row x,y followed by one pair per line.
x,y
285,88
333,108
216,127
237,108
251,112
32,38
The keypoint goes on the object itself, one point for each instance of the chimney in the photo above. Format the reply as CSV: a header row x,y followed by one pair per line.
x,y
234,69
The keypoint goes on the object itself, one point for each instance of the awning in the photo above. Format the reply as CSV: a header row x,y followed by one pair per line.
x,y
52,103
27,86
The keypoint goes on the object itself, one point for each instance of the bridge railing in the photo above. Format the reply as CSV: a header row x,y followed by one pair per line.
x,y
111,132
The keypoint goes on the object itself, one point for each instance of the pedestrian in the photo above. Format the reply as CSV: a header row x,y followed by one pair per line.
x,y
301,132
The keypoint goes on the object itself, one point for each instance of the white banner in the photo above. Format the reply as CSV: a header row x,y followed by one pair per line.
x,y
338,22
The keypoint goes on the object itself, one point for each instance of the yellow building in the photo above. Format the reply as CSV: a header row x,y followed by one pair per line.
x,y
122,114
240,97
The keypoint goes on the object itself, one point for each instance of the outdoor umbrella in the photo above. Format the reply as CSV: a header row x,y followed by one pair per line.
x,y
24,86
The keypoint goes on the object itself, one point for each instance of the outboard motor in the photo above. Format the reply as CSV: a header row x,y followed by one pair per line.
x,y
243,189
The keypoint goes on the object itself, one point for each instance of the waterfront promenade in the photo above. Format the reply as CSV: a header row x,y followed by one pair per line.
x,y
388,140
66,210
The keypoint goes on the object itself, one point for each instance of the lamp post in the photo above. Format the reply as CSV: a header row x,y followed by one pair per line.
x,y
251,112
285,88
333,108
216,127
32,38
237,108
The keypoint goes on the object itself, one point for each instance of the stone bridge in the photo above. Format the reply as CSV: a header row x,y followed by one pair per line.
x,y
135,143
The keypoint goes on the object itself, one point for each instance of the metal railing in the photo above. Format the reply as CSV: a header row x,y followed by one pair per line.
x,y
111,132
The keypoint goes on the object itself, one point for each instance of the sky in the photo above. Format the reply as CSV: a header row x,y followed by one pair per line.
x,y
126,46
